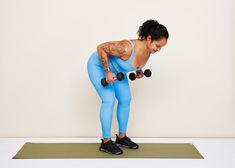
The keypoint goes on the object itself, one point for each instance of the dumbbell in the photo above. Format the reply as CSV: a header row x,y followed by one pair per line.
x,y
119,77
147,73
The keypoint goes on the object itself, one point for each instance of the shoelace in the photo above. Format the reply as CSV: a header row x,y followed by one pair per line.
x,y
112,145
128,140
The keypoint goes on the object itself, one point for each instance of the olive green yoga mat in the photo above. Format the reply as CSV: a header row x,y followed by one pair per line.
x,y
91,150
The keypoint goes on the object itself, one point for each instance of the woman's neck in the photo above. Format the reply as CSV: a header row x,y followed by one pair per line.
x,y
142,47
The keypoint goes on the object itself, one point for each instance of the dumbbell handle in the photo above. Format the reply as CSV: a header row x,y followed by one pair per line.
x,y
147,73
115,78
120,75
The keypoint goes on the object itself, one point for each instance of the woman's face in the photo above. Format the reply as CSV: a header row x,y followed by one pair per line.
x,y
156,45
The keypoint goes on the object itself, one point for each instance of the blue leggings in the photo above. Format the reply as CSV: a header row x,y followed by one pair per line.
x,y
118,89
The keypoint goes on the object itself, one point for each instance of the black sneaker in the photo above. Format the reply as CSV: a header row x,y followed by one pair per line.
x,y
126,142
110,147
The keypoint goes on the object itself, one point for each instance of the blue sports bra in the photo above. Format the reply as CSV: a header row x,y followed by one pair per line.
x,y
126,64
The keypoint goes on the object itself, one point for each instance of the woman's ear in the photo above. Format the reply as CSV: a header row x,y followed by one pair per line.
x,y
149,38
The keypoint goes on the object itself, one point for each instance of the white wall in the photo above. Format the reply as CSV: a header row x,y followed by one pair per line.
x,y
45,90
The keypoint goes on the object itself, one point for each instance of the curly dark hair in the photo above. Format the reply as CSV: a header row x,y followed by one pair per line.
x,y
154,29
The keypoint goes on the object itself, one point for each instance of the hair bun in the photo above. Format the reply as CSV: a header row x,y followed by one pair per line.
x,y
154,28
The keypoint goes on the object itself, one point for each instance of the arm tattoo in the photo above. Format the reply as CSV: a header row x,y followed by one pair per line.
x,y
113,48
110,48
103,58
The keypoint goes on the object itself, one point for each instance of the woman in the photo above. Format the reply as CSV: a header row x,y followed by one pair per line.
x,y
122,56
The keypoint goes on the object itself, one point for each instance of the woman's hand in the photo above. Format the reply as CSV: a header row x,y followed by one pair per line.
x,y
139,74
110,77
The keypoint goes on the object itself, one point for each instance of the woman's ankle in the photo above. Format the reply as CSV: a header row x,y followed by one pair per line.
x,y
106,139
121,135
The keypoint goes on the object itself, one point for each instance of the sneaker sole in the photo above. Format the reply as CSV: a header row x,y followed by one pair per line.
x,y
104,150
120,145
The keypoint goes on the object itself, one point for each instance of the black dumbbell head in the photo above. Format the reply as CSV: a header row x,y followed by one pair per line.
x,y
120,76
147,73
132,76
104,82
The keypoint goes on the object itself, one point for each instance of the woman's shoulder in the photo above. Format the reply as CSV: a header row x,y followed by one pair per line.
x,y
121,48
126,45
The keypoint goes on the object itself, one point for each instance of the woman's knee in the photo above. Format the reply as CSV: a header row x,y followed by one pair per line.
x,y
125,99
108,100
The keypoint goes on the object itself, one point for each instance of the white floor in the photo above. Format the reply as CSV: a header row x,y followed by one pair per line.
x,y
217,153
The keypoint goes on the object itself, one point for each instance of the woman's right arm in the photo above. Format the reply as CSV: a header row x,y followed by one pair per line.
x,y
115,48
